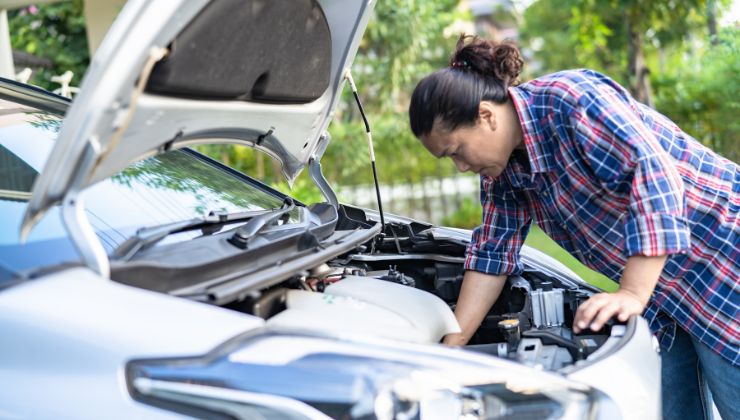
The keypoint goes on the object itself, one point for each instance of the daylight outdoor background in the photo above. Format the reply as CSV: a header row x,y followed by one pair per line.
x,y
680,56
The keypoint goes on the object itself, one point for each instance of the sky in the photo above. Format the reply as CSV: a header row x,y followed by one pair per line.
x,y
733,15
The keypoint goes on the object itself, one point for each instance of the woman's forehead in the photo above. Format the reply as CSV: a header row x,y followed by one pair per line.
x,y
437,141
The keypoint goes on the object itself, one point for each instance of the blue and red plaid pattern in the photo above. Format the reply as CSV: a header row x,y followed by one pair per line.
x,y
607,178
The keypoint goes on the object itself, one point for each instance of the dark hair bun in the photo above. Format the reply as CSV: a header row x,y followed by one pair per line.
x,y
501,60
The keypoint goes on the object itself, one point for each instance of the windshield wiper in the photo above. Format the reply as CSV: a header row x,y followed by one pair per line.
x,y
147,236
244,234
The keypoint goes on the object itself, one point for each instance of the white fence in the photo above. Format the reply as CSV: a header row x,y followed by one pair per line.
x,y
430,200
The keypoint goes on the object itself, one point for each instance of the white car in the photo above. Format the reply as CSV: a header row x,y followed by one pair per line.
x,y
141,279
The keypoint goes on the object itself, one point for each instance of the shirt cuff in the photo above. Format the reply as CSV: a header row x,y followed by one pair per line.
x,y
492,263
656,234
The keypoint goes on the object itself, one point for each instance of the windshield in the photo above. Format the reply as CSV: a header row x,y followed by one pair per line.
x,y
172,187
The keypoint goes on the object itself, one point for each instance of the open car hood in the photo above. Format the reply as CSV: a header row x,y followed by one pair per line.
x,y
175,73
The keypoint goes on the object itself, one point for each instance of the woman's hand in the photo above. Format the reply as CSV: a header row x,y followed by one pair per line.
x,y
638,281
596,311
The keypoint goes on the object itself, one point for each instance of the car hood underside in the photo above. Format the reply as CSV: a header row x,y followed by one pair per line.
x,y
171,74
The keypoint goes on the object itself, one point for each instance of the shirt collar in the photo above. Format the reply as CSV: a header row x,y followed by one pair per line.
x,y
518,174
535,129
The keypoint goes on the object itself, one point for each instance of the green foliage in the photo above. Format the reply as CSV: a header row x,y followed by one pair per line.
x,y
303,189
538,239
704,95
54,31
467,216
693,84
404,41
570,34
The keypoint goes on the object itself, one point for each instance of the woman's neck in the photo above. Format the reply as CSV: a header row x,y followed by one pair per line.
x,y
511,119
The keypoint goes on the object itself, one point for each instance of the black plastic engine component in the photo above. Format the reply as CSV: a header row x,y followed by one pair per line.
x,y
394,276
447,281
578,346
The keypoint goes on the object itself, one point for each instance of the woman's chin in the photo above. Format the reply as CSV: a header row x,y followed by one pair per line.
x,y
490,172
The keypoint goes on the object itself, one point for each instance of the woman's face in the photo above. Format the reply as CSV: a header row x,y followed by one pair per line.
x,y
484,147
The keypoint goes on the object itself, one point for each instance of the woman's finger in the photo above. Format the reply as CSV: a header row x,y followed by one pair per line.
x,y
604,315
587,311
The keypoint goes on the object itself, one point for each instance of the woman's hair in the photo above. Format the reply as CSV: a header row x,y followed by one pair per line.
x,y
479,70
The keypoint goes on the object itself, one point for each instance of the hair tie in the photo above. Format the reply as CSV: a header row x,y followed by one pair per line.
x,y
461,64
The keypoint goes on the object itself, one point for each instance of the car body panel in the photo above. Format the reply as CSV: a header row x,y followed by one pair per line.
x,y
629,373
73,330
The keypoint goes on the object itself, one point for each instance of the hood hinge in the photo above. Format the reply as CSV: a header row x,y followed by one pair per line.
x,y
78,225
317,176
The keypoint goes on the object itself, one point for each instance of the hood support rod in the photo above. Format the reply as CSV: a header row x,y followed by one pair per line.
x,y
348,76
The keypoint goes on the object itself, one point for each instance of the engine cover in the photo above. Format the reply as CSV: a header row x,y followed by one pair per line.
x,y
369,306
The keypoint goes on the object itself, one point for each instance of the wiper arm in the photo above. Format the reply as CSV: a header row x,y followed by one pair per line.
x,y
245,233
147,236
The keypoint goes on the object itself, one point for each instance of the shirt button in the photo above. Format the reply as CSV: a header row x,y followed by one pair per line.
x,y
545,193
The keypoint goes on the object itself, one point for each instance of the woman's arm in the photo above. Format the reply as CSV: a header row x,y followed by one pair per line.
x,y
479,292
638,281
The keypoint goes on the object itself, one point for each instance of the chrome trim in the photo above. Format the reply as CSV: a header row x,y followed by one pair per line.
x,y
497,370
191,394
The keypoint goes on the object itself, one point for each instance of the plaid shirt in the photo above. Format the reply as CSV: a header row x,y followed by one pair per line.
x,y
607,178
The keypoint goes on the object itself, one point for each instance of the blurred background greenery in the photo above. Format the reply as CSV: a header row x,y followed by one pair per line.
x,y
680,56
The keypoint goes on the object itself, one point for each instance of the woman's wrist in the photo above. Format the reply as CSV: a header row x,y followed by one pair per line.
x,y
639,296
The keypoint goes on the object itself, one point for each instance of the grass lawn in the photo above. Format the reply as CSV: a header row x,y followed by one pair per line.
x,y
538,239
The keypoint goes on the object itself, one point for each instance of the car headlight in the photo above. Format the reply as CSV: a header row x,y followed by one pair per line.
x,y
297,376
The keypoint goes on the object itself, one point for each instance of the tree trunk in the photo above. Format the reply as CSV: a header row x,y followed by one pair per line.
x,y
638,71
276,170
712,21
260,164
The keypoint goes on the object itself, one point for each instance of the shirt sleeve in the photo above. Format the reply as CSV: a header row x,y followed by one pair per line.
x,y
628,160
495,245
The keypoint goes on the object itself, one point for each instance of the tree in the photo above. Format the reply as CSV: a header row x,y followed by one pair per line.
x,y
55,31
404,41
616,36
662,50
703,95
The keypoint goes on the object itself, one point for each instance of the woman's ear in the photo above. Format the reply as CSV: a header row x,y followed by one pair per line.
x,y
487,114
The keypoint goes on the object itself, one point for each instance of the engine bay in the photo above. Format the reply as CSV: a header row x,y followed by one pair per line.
x,y
399,283
411,297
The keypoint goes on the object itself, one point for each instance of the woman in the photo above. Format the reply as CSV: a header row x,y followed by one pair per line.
x,y
612,181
